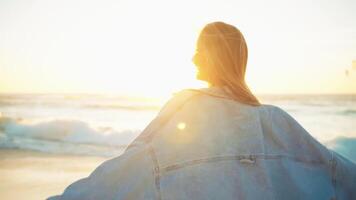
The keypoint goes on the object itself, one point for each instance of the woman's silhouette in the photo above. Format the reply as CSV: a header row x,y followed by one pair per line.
x,y
221,59
220,142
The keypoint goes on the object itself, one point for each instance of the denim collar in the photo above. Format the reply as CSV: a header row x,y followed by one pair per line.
x,y
216,91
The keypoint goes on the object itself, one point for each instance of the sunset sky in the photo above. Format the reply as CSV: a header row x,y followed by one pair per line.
x,y
145,47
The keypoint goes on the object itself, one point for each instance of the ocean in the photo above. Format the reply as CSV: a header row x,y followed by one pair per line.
x,y
103,125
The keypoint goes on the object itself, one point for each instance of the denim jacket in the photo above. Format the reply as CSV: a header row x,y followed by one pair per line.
x,y
205,145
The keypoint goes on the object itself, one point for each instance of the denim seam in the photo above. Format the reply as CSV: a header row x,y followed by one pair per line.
x,y
253,158
333,173
156,172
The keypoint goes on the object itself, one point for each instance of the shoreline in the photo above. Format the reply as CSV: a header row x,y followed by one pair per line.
x,y
38,175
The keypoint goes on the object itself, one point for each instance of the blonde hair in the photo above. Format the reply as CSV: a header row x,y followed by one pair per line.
x,y
221,59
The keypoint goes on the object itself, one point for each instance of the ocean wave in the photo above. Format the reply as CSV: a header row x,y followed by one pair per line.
x,y
348,112
80,101
123,107
61,135
346,146
139,106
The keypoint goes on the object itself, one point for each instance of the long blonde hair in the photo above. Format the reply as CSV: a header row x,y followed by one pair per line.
x,y
221,59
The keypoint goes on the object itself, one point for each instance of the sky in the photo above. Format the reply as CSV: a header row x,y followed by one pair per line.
x,y
145,47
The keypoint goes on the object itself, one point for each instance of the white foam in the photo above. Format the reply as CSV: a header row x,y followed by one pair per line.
x,y
346,146
62,136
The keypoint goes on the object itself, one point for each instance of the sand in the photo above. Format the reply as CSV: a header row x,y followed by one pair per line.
x,y
35,175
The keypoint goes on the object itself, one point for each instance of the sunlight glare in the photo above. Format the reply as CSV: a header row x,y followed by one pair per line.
x,y
181,126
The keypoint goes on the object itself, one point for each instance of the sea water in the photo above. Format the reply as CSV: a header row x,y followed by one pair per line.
x,y
103,125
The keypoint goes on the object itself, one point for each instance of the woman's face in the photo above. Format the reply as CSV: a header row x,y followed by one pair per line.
x,y
200,62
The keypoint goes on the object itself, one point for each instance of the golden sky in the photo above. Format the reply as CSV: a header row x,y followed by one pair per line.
x,y
145,47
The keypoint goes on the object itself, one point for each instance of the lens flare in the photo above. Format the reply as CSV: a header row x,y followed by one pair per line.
x,y
181,126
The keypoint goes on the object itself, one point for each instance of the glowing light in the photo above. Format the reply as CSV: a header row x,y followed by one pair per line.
x,y
181,126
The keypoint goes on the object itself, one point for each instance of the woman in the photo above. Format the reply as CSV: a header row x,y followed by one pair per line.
x,y
220,142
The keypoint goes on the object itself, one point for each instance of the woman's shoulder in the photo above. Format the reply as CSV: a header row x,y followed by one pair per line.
x,y
220,95
278,116
177,99
273,110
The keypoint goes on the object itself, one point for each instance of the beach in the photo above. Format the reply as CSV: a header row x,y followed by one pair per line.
x,y
48,141
36,175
